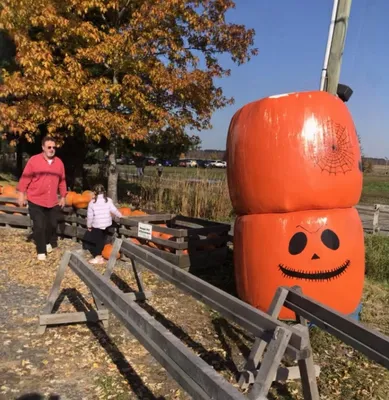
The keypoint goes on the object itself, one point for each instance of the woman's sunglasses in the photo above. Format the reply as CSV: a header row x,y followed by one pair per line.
x,y
51,147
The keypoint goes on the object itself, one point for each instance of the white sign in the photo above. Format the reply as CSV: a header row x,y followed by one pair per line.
x,y
145,231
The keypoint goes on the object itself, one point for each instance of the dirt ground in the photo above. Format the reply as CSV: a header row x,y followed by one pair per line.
x,y
88,362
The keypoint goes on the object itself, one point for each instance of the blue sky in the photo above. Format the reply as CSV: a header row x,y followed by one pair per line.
x,y
291,36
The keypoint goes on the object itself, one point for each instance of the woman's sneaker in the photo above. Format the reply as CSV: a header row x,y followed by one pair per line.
x,y
49,248
41,257
97,260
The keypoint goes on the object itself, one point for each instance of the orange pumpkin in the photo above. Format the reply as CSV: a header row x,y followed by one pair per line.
x,y
80,201
293,152
69,198
166,236
106,253
125,211
138,213
321,251
88,194
9,191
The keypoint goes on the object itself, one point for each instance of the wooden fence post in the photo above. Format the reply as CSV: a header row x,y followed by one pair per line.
x,y
376,216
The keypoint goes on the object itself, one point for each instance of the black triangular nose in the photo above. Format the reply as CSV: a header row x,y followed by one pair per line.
x,y
315,257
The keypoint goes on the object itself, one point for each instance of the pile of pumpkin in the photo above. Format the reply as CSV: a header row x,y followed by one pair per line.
x,y
160,235
10,192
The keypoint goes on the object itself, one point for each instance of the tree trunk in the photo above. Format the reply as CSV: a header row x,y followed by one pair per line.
x,y
112,171
19,158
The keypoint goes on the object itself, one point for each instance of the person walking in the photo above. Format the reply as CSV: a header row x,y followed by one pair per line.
x,y
159,170
99,218
42,178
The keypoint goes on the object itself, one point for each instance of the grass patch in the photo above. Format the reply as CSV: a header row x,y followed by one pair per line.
x,y
377,257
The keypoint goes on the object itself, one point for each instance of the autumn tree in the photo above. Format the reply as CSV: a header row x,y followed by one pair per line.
x,y
116,68
168,144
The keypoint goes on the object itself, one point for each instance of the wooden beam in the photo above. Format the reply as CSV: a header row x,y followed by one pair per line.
x,y
254,320
369,342
199,379
73,317
337,46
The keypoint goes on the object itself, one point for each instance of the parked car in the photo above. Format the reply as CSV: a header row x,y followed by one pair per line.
x,y
165,163
219,164
150,161
182,163
201,163
191,164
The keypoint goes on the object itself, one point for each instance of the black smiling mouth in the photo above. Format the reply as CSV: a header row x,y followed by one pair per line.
x,y
314,276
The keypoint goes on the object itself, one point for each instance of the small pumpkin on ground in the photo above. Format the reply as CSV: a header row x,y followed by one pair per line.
x,y
106,253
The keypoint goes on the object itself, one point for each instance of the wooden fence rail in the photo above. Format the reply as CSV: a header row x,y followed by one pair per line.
x,y
189,242
274,338
195,376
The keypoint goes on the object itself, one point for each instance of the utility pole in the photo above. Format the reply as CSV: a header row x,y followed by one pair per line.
x,y
337,45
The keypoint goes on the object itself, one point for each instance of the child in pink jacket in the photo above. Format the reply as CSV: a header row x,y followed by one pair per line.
x,y
99,218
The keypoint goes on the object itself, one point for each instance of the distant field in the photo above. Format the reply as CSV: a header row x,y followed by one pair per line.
x,y
375,185
179,172
375,189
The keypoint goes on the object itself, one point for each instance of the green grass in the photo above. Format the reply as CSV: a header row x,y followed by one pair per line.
x,y
375,189
377,258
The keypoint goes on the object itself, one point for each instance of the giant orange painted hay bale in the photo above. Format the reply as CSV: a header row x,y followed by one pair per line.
x,y
321,251
292,152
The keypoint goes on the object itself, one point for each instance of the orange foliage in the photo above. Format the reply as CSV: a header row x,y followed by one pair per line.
x,y
87,63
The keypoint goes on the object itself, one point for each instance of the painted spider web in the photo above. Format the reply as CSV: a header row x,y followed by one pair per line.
x,y
337,155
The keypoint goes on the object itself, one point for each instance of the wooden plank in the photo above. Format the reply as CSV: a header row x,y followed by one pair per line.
x,y
363,207
383,207
254,320
129,223
274,354
260,345
21,210
66,230
369,342
149,218
80,221
200,221
81,212
54,292
199,379
12,200
112,259
16,220
73,317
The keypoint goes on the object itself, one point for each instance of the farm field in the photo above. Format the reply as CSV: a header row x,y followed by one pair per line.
x,y
375,185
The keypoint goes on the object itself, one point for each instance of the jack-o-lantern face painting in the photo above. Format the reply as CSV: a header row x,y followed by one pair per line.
x,y
316,255
321,251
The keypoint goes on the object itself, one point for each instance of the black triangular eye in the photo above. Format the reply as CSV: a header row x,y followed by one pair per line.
x,y
330,239
297,243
